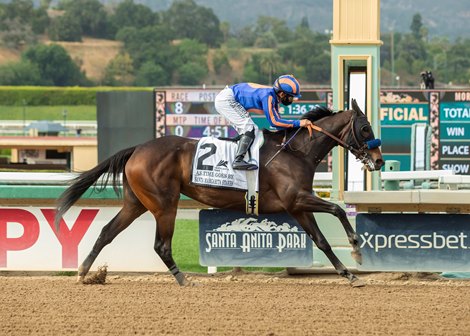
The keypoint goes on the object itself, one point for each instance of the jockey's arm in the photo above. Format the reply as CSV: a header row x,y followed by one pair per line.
x,y
272,114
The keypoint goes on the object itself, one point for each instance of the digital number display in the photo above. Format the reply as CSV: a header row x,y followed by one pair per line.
x,y
297,109
201,131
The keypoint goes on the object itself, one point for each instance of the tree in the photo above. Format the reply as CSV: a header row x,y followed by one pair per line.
x,y
266,40
129,14
459,62
191,61
251,74
17,35
318,68
191,74
416,26
253,70
409,50
225,29
149,44
20,73
188,20
65,28
278,28
15,23
310,51
438,51
91,14
220,62
20,9
40,21
120,70
246,36
55,65
270,64
190,51
151,74
304,23
45,4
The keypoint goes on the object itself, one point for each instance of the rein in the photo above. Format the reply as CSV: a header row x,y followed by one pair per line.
x,y
338,140
359,153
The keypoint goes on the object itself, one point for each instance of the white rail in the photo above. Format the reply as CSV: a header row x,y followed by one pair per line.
x,y
415,175
445,178
30,178
454,182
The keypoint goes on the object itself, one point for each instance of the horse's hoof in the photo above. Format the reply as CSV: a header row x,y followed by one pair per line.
x,y
188,283
357,256
80,279
356,282
194,284
183,281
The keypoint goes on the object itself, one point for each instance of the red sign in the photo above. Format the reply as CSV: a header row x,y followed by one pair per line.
x,y
69,239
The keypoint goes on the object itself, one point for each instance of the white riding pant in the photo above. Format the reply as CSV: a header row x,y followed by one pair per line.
x,y
234,112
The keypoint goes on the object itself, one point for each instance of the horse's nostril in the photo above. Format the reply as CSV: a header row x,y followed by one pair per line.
x,y
379,162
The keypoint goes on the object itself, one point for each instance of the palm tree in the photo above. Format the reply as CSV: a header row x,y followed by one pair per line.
x,y
270,63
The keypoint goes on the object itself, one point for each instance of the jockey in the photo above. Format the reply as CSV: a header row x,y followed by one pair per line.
x,y
236,101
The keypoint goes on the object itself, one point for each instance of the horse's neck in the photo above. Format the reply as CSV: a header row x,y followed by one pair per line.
x,y
335,125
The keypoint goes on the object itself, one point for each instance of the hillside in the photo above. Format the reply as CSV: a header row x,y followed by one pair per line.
x,y
442,18
92,54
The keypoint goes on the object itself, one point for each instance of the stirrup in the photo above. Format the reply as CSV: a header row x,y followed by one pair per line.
x,y
243,165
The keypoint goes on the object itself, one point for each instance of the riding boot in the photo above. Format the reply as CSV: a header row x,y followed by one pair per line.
x,y
244,145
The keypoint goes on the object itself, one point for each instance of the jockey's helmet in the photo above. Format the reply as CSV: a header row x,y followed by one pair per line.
x,y
287,84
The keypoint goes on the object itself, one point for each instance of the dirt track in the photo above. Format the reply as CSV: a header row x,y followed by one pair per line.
x,y
234,304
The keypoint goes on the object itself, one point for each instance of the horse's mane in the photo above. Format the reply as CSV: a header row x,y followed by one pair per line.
x,y
317,113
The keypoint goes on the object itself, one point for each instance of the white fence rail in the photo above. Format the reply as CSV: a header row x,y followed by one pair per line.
x,y
415,175
445,179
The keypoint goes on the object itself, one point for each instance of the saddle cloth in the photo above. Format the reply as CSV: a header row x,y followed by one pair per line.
x,y
212,164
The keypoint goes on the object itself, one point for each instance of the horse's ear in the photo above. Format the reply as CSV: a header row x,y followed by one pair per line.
x,y
356,107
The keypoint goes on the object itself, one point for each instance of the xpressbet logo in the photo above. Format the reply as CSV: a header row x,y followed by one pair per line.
x,y
414,241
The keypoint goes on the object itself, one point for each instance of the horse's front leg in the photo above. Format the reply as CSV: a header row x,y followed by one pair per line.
x,y
310,203
308,222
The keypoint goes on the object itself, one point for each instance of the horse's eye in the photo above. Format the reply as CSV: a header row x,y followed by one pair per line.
x,y
366,131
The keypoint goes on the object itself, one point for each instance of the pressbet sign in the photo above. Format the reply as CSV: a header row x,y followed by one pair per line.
x,y
414,242
230,238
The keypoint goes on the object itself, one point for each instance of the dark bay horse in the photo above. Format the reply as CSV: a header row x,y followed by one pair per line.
x,y
156,172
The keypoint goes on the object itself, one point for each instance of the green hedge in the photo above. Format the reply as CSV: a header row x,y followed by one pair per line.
x,y
52,96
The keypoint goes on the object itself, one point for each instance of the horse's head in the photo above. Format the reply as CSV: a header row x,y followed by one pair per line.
x,y
351,130
362,141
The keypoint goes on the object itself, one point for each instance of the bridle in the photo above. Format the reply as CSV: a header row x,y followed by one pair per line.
x,y
358,150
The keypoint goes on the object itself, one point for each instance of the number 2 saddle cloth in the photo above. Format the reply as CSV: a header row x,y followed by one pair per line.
x,y
212,164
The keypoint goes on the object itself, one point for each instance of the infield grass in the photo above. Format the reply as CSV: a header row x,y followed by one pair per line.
x,y
75,112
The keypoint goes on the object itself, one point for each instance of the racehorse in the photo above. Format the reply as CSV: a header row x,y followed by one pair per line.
x,y
155,173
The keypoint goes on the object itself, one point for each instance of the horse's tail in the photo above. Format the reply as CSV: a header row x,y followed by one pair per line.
x,y
113,166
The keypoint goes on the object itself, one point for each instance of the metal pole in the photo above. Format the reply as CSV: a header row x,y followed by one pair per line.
x,y
24,117
64,113
392,56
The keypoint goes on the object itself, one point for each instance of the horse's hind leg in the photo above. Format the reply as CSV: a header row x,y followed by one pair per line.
x,y
129,212
308,222
162,202
165,229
